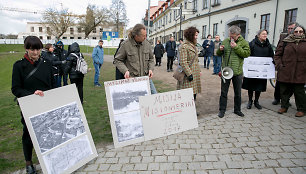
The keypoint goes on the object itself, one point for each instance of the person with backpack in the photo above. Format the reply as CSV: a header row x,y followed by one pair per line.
x,y
98,56
75,75
119,75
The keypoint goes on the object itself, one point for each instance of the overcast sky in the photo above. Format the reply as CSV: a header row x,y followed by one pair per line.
x,y
14,22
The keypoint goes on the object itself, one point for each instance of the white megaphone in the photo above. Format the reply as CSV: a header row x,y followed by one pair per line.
x,y
227,73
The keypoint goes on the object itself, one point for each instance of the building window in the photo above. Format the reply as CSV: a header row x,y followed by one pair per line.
x,y
185,4
205,4
79,37
94,38
101,30
64,37
71,37
195,5
204,31
79,30
71,30
94,30
48,37
215,3
170,17
290,16
48,29
265,21
40,37
40,29
32,29
166,19
215,29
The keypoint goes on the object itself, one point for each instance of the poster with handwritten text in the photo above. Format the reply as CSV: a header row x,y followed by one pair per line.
x,y
168,113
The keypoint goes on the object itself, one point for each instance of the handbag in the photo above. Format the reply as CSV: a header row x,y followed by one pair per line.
x,y
202,53
179,73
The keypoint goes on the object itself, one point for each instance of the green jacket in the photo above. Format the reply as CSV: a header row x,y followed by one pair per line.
x,y
241,51
135,58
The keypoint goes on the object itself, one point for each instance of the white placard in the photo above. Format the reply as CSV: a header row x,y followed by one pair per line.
x,y
58,129
259,67
124,111
168,113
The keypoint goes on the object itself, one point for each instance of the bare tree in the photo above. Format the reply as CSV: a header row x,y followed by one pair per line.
x,y
58,21
118,13
94,17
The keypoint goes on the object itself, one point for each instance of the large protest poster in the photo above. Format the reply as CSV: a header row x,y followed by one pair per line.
x,y
58,129
259,67
168,113
124,111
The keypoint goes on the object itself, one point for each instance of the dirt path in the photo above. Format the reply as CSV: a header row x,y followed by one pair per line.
x,y
208,100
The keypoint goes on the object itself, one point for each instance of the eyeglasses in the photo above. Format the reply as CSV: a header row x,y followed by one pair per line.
x,y
290,28
300,31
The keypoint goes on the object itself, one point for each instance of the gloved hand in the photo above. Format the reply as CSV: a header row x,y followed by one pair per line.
x,y
190,78
64,61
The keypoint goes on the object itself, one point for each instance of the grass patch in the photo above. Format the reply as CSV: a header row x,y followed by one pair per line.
x,y
95,108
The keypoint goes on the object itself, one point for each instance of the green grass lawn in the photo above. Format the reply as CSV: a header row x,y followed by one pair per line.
x,y
95,108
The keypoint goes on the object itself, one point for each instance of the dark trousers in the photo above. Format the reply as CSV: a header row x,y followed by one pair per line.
x,y
286,90
237,83
170,62
158,60
64,77
119,75
79,84
27,144
277,91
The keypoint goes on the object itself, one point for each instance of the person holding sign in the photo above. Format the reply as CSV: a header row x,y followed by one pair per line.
x,y
260,47
290,62
31,75
234,49
189,61
135,56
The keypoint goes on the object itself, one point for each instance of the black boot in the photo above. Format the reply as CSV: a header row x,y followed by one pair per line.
x,y
256,104
249,105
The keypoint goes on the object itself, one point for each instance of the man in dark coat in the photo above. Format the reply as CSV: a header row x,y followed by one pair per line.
x,y
170,49
62,54
208,45
158,52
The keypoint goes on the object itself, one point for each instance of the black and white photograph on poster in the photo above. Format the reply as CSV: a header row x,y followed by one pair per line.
x,y
63,158
125,97
128,126
259,67
57,126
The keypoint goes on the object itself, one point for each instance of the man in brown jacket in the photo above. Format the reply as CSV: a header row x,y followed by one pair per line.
x,y
135,57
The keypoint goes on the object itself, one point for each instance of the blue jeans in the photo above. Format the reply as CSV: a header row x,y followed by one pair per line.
x,y
59,80
153,89
97,73
208,62
217,64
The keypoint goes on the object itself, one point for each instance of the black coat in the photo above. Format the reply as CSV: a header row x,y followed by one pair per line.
x,y
56,63
42,79
62,55
170,48
72,62
258,49
210,50
159,50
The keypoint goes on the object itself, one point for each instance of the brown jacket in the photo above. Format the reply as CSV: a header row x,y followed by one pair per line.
x,y
291,65
135,58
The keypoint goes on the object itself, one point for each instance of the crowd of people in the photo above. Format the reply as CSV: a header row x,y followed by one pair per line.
x,y
39,71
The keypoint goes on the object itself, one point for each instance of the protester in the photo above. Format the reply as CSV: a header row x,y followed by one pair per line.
x,y
189,61
48,54
74,75
98,57
260,47
234,49
290,65
31,75
208,45
170,49
119,75
216,59
135,56
62,54
181,41
282,36
158,52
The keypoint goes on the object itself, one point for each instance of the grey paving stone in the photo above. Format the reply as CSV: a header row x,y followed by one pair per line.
x,y
160,159
207,165
112,160
153,166
145,153
104,167
141,166
187,172
215,172
135,159
297,170
211,158
173,158
233,171
282,170
194,166
91,167
271,163
286,163
186,158
127,167
267,171
219,165
124,160
166,166
115,167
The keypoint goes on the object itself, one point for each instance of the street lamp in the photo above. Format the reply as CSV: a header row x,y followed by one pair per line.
x,y
181,10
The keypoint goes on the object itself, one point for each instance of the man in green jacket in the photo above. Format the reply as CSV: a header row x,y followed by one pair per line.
x,y
233,49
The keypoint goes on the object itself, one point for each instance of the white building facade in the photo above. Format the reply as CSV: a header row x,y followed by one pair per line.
x,y
216,16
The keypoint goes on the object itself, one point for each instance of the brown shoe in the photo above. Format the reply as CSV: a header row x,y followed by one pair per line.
x,y
282,110
299,114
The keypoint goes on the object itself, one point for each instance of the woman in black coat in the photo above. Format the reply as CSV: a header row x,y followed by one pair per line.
x,y
74,75
260,47
158,52
31,75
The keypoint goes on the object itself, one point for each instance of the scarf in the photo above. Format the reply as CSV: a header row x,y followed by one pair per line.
x,y
294,39
27,57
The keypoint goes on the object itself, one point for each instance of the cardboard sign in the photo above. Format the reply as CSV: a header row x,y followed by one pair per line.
x,y
168,113
124,111
58,129
259,67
